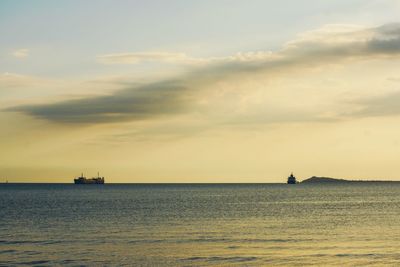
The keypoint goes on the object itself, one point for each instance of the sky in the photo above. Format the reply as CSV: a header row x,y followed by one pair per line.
x,y
199,91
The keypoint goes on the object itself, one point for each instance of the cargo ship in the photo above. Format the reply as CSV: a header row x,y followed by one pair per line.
x,y
95,180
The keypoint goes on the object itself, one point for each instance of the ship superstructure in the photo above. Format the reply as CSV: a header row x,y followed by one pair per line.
x,y
291,179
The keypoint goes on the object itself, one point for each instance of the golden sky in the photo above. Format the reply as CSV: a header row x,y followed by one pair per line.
x,y
321,101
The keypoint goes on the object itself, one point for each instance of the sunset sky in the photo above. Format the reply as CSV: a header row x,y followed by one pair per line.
x,y
199,91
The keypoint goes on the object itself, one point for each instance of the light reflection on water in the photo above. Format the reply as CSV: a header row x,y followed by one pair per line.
x,y
185,225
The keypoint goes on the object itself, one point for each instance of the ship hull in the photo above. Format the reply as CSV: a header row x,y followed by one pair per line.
x,y
79,182
89,181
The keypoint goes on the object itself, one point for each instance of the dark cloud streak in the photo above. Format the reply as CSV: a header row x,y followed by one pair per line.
x,y
125,105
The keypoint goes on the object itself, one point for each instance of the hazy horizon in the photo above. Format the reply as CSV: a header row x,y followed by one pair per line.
x,y
210,92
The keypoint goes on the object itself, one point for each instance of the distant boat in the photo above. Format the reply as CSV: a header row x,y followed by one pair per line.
x,y
291,179
95,180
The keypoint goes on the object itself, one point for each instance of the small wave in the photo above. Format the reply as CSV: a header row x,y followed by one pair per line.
x,y
51,242
31,253
33,262
7,251
356,255
147,241
319,255
216,240
245,240
17,242
205,240
6,263
194,259
67,261
196,240
259,240
219,259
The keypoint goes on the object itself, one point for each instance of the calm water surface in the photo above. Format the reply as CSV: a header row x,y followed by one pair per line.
x,y
203,225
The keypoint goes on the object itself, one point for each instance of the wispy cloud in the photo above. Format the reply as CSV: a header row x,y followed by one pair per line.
x,y
178,58
138,57
384,105
21,53
333,43
11,80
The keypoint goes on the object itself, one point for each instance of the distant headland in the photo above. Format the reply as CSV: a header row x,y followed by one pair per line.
x,y
329,180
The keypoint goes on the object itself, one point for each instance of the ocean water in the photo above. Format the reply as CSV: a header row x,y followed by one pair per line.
x,y
200,225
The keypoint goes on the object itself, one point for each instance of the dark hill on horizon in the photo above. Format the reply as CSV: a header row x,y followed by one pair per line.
x,y
329,180
316,179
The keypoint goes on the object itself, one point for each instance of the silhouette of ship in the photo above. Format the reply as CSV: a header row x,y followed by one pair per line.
x,y
291,179
95,180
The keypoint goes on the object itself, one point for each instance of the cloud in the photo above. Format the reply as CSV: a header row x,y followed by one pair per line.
x,y
332,43
11,80
21,53
385,105
126,105
135,58
347,41
179,58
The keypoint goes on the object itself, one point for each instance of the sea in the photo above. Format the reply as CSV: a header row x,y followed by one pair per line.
x,y
356,224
